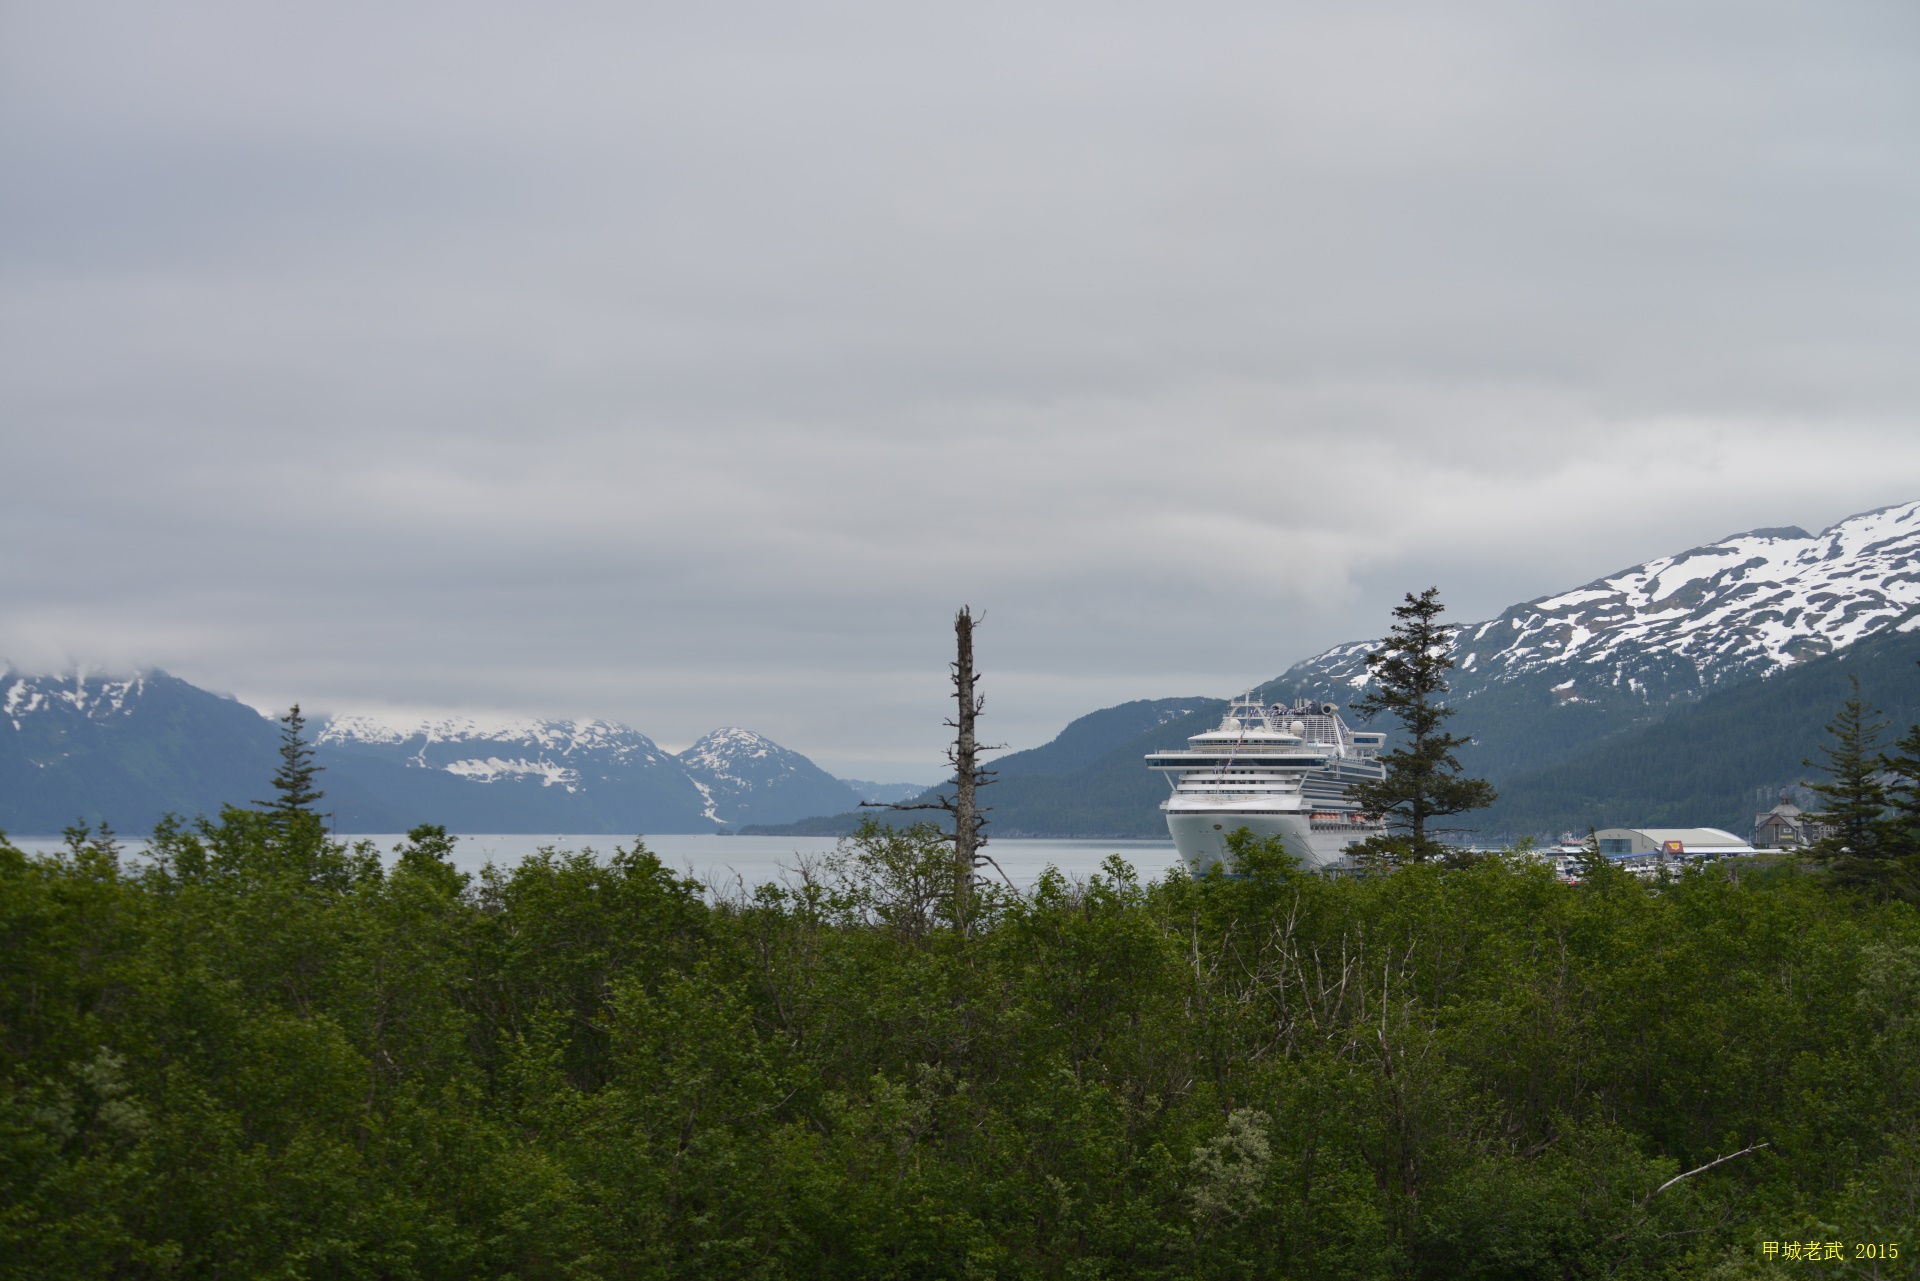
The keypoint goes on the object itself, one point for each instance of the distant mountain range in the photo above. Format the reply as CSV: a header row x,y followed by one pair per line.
x,y
128,749
1575,700
1677,692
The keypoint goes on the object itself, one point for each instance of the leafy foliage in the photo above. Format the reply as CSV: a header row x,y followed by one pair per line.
x,y
259,1052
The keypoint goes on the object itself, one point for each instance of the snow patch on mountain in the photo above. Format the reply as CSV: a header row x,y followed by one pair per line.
x,y
103,698
712,810
493,769
23,700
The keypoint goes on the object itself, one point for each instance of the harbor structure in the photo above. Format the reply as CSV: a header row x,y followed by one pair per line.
x,y
1786,826
1645,850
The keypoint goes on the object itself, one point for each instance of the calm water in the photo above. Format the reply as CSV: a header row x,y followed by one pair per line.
x,y
728,860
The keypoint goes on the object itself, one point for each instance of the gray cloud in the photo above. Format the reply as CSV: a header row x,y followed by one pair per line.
x,y
689,366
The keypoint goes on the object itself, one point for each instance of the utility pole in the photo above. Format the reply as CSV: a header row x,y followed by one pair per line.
x,y
969,817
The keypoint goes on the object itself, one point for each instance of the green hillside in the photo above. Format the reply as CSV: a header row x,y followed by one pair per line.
x,y
1710,763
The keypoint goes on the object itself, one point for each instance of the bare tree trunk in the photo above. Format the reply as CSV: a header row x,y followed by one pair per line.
x,y
967,818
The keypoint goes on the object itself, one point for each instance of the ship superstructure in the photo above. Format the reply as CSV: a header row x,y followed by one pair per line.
x,y
1276,770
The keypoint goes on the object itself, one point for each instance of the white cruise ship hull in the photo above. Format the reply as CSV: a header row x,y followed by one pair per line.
x,y
1200,836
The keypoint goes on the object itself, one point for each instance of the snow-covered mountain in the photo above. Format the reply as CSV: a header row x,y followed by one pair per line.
x,y
124,749
747,778
563,769
514,774
128,749
1741,607
730,776
1627,646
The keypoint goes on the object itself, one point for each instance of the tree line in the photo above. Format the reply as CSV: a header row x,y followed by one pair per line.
x,y
260,1052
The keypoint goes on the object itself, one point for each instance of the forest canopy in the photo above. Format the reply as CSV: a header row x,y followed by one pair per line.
x,y
260,1052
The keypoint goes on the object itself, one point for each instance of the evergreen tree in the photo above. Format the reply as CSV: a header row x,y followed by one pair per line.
x,y
1900,827
1424,780
1592,862
1854,801
293,785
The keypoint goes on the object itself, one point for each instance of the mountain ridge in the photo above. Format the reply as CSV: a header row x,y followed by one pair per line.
x,y
1548,676
126,749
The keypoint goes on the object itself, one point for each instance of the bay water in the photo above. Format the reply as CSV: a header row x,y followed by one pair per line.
x,y
726,863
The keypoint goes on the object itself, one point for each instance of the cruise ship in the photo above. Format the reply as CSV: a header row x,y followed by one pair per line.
x,y
1276,771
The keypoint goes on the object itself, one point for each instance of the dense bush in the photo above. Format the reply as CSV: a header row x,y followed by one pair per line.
x,y
259,1053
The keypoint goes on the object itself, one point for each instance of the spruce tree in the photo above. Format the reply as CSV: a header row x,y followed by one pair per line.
x,y
1900,827
1592,862
1424,781
1854,800
293,785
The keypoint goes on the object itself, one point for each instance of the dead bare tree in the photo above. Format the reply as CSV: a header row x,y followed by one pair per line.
x,y
969,816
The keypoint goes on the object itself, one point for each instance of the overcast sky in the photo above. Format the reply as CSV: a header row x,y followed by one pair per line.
x,y
687,365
